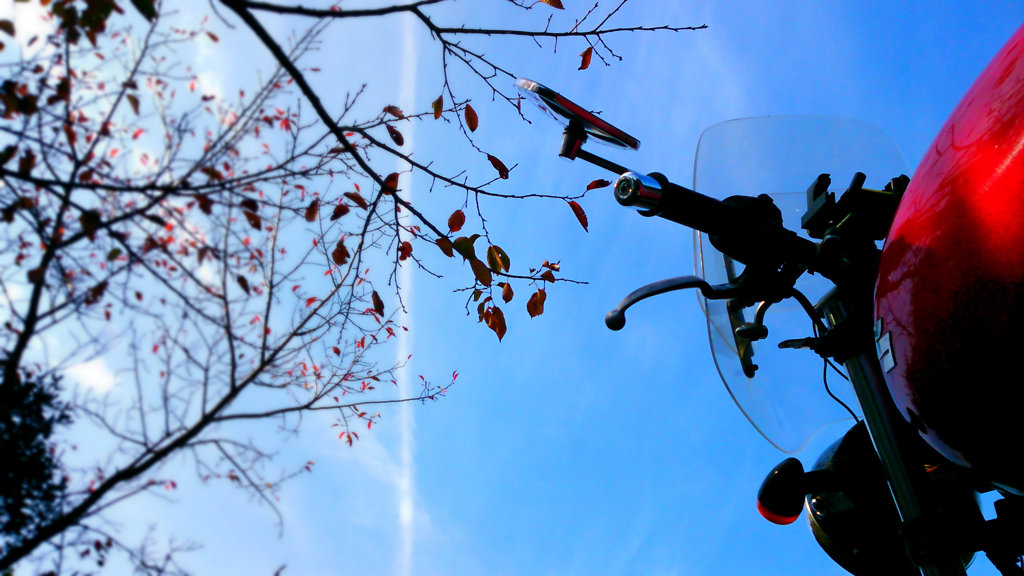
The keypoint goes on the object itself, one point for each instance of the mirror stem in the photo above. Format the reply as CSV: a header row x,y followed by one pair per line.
x,y
601,162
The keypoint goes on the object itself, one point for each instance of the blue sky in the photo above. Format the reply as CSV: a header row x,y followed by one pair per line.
x,y
566,448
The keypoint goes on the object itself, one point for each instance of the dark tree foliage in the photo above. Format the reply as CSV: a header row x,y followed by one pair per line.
x,y
31,485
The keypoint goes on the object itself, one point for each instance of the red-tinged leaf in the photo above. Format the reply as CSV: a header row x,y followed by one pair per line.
x,y
438,106
36,275
244,284
456,221
580,214
601,183
312,210
212,36
90,221
205,204
340,254
8,27
446,247
472,120
396,136
404,251
310,301
133,100
390,184
95,294
547,276
212,173
535,306
26,163
495,320
555,266
339,211
378,304
480,270
358,199
253,218
506,293
7,153
69,133
394,111
585,57
499,166
497,259
138,132
250,205
337,352
464,246
554,3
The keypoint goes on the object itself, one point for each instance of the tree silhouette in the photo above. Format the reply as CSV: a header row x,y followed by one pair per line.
x,y
233,258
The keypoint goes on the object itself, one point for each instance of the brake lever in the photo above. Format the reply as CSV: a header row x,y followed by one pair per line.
x,y
616,319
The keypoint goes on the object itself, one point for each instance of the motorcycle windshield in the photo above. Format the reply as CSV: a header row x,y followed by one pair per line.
x,y
785,397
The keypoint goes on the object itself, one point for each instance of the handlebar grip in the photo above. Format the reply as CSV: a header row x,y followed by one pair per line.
x,y
749,236
674,202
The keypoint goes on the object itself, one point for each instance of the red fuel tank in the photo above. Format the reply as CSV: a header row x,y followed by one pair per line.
x,y
949,300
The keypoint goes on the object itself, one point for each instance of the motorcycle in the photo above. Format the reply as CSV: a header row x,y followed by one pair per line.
x,y
914,286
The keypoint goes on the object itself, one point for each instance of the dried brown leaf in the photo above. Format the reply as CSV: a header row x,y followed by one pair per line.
x,y
480,270
357,198
390,184
580,214
253,218
535,305
339,211
438,106
495,320
499,166
312,210
340,253
396,136
585,57
378,304
446,246
456,221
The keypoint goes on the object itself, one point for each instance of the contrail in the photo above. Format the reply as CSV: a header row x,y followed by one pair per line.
x,y
405,489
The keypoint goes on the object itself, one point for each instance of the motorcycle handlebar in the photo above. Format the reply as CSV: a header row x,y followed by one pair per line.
x,y
748,236
673,202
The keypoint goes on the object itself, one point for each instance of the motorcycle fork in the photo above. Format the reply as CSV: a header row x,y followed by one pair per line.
x,y
927,537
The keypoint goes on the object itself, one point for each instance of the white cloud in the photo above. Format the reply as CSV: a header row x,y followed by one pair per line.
x,y
93,374
30,20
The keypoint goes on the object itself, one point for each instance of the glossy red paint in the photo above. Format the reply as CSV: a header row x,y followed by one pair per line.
x,y
950,291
